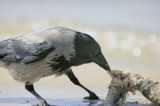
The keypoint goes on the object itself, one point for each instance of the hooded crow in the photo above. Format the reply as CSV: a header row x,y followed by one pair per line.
x,y
51,51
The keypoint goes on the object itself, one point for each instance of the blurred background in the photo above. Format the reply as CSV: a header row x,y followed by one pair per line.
x,y
128,32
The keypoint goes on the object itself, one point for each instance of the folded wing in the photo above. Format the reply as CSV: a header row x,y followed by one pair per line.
x,y
13,50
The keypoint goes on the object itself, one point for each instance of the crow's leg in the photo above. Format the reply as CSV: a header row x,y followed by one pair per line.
x,y
30,88
72,77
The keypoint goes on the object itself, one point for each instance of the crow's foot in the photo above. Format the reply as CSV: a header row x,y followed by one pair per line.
x,y
92,96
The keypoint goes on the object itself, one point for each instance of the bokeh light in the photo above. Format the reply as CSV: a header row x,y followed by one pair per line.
x,y
111,39
137,52
152,38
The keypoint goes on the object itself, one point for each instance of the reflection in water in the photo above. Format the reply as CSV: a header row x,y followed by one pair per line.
x,y
52,102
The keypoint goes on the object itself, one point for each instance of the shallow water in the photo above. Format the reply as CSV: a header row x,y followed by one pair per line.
x,y
61,96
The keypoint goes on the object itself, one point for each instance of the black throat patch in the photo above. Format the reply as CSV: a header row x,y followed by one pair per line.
x,y
59,63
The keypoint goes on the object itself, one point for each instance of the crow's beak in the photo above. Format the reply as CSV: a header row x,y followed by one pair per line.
x,y
101,61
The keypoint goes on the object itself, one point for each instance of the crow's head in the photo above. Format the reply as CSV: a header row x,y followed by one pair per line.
x,y
88,50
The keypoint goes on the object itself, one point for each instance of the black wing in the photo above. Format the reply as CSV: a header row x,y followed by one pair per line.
x,y
13,50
